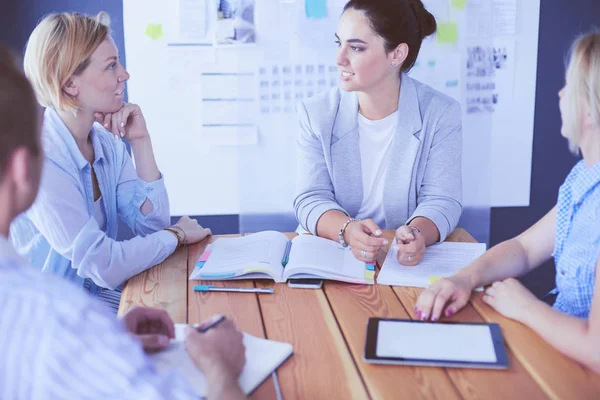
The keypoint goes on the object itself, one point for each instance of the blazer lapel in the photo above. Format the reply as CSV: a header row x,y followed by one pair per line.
x,y
405,148
345,155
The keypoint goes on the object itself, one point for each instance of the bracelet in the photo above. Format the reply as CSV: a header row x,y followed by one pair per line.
x,y
342,241
176,232
414,228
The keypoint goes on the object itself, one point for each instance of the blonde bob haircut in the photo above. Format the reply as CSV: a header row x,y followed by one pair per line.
x,y
59,48
583,87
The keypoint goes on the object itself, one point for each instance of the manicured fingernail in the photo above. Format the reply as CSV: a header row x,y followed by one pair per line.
x,y
122,124
378,232
163,340
433,319
415,309
448,313
116,137
106,125
423,317
385,242
419,314
122,134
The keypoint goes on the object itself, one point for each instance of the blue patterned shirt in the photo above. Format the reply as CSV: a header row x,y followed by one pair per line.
x,y
58,343
577,241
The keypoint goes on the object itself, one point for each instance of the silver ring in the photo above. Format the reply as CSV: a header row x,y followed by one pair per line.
x,y
409,258
363,254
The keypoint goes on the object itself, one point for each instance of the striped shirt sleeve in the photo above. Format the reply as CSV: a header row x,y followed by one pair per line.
x,y
56,343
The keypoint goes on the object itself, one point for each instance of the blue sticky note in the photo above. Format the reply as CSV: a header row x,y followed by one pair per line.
x,y
370,267
316,8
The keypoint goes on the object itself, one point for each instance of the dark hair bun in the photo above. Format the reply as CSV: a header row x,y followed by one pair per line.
x,y
425,19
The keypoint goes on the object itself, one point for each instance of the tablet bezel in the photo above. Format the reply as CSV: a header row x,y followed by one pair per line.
x,y
370,354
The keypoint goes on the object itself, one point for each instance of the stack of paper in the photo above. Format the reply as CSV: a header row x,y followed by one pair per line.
x,y
263,357
440,261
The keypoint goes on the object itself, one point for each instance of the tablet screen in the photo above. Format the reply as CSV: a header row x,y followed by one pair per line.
x,y
435,341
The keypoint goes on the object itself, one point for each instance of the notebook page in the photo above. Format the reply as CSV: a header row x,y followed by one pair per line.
x,y
263,357
324,258
262,249
440,261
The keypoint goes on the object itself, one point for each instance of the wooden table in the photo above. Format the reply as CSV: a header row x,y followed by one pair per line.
x,y
327,329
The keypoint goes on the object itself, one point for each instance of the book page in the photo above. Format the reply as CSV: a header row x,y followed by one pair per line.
x,y
253,253
263,357
440,261
323,258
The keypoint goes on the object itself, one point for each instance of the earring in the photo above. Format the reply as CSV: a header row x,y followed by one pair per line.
x,y
393,63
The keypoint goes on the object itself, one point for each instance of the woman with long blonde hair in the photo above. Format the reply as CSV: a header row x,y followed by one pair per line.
x,y
89,180
570,232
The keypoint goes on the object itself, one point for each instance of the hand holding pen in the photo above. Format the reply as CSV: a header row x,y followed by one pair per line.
x,y
365,239
216,347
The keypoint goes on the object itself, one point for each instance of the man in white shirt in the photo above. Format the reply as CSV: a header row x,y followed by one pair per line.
x,y
58,343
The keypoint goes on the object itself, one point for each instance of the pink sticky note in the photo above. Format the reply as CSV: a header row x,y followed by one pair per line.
x,y
204,256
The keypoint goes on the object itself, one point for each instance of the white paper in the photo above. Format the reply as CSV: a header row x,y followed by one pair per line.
x,y
263,357
194,16
325,258
264,249
440,260
428,341
505,17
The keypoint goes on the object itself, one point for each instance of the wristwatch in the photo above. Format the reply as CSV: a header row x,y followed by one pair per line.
x,y
342,241
179,234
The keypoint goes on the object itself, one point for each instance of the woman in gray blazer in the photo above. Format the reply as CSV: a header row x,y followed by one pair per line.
x,y
383,150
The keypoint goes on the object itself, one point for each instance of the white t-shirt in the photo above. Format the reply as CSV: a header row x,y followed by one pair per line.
x,y
99,214
375,138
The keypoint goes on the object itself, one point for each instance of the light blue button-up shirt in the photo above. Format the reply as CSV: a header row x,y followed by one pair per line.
x,y
59,233
58,343
577,241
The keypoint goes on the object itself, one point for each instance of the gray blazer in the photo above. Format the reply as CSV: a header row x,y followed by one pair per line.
x,y
424,174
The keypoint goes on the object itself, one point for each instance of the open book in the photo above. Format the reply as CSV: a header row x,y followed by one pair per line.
x,y
271,255
263,357
440,261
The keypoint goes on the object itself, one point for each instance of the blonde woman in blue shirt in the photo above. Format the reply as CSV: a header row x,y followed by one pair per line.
x,y
570,232
89,180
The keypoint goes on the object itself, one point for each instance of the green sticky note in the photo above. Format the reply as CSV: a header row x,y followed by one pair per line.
x,y
154,31
447,32
434,278
459,4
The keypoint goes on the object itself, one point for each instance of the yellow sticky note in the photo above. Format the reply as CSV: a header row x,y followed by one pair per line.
x,y
434,278
447,32
154,31
459,4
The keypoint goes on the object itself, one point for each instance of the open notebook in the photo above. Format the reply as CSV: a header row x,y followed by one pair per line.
x,y
440,261
263,357
271,255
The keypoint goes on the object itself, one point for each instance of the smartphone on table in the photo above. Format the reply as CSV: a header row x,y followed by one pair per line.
x,y
305,283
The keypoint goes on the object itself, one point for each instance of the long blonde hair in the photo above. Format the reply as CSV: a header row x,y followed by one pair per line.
x,y
583,87
60,47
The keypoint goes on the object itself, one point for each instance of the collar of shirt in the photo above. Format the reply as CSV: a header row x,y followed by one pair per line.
x,y
57,133
587,178
8,253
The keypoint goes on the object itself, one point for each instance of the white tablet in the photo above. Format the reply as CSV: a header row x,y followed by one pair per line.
x,y
445,344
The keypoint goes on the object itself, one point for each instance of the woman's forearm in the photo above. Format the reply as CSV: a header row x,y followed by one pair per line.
x,y
569,335
330,223
428,229
145,163
505,260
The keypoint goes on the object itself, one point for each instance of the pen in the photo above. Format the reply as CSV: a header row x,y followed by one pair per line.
x,y
217,319
210,288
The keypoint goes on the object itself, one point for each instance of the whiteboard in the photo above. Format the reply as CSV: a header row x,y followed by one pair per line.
x,y
221,152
